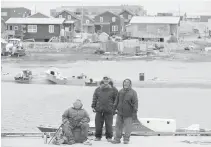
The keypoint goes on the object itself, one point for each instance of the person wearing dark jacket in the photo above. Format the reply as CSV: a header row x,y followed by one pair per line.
x,y
75,117
102,103
126,105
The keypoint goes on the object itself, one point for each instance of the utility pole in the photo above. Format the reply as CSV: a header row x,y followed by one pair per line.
x,y
178,26
82,20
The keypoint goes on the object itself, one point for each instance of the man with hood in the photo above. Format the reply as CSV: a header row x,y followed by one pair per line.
x,y
102,103
127,106
74,117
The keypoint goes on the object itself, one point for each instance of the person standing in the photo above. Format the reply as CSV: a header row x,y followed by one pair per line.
x,y
126,105
102,103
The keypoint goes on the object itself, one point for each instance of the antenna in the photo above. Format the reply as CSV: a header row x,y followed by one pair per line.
x,y
179,10
35,9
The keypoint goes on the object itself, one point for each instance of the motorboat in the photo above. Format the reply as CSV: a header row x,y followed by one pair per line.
x,y
53,75
24,76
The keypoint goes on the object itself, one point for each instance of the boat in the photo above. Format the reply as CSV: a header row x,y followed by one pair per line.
x,y
24,76
91,83
78,80
142,127
54,76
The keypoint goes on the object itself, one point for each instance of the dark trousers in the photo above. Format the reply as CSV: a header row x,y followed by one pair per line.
x,y
100,118
123,122
68,130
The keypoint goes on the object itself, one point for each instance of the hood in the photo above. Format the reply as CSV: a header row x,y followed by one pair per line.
x,y
103,86
77,104
111,83
130,84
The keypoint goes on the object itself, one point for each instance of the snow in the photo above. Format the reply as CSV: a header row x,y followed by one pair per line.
x,y
158,141
31,105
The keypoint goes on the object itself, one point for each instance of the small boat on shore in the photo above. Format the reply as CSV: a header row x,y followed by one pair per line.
x,y
143,127
78,80
53,75
91,83
24,76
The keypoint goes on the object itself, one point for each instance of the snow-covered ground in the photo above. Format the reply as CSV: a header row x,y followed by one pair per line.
x,y
135,141
24,107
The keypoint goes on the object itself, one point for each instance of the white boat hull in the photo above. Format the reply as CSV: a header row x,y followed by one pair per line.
x,y
56,79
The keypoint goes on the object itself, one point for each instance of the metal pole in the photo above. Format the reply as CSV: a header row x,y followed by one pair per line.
x,y
82,20
55,133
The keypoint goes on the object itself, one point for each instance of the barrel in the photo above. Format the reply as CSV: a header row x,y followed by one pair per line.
x,y
141,76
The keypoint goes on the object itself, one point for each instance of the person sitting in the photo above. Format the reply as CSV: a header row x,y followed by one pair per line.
x,y
72,118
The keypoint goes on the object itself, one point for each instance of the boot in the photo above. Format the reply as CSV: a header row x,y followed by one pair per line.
x,y
71,142
97,139
126,142
87,142
115,141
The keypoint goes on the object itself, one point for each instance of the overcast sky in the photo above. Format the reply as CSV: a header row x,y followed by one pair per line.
x,y
152,6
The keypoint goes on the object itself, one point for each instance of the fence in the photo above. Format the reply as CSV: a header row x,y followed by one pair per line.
x,y
56,46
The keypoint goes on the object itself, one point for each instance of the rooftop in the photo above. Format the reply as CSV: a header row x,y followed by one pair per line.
x,y
35,21
155,20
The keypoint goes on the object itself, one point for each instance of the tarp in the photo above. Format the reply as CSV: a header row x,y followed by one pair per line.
x,y
111,46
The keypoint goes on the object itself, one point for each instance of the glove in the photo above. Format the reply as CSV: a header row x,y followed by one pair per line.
x,y
79,124
93,109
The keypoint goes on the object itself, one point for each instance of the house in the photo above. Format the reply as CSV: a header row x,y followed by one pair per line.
x,y
96,10
193,18
40,29
109,23
127,15
153,28
72,21
164,14
204,18
88,24
38,15
209,26
18,12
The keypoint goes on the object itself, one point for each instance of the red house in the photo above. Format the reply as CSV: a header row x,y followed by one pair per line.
x,y
71,22
38,15
40,29
109,23
18,12
126,15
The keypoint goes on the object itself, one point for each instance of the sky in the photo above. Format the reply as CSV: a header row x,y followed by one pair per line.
x,y
152,6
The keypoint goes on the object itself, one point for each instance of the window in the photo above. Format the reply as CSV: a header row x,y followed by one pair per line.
x,y
3,13
101,19
32,28
60,16
113,19
121,16
15,27
69,17
129,16
114,28
51,28
10,28
87,21
66,29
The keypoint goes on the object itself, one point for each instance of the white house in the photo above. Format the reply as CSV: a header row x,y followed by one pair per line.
x,y
158,28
